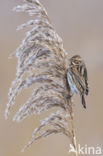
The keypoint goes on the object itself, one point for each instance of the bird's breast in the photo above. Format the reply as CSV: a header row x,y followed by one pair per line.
x,y
71,83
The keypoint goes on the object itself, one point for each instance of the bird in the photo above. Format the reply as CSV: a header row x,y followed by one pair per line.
x,y
77,77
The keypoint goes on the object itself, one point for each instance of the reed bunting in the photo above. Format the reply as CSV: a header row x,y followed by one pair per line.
x,y
77,77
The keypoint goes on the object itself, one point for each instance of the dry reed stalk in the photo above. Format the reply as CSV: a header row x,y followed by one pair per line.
x,y
42,60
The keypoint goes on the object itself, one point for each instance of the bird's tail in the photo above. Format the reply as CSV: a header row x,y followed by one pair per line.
x,y
83,101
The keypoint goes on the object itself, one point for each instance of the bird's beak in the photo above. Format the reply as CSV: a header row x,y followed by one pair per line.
x,y
69,61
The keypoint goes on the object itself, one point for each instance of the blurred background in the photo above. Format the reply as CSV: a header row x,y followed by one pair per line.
x,y
80,24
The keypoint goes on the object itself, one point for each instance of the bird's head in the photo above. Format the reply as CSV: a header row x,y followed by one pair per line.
x,y
76,60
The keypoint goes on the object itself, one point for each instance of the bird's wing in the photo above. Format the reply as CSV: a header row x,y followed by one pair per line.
x,y
83,71
79,77
85,75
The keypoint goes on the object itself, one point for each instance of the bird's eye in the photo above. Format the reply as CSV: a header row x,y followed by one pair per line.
x,y
77,62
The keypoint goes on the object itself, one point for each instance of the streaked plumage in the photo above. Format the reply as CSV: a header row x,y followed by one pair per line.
x,y
77,77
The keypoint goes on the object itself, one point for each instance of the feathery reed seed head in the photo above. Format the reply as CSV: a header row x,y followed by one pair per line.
x,y
42,63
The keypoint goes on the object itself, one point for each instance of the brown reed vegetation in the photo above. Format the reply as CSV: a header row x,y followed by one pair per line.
x,y
42,62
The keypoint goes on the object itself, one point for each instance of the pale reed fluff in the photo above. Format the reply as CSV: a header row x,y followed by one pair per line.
x,y
42,63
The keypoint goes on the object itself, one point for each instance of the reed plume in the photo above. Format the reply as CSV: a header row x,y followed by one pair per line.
x,y
42,64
